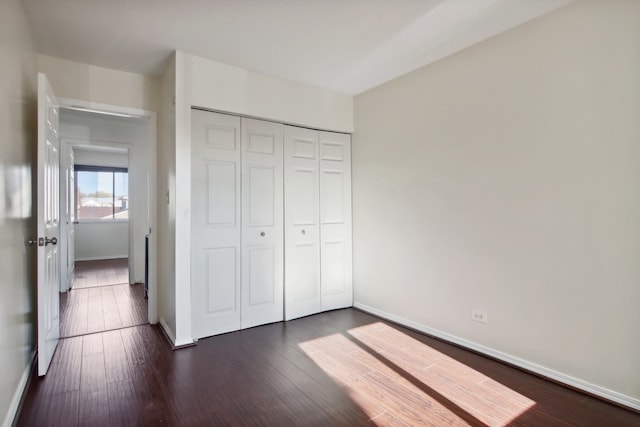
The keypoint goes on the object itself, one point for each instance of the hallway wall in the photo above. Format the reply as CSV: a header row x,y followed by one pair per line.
x,y
17,259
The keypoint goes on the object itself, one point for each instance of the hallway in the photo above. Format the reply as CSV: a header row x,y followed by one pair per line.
x,y
101,299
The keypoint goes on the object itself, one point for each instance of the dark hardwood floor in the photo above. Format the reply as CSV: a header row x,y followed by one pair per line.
x,y
340,368
101,299
90,274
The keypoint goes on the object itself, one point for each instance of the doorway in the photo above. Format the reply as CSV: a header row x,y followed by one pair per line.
x,y
107,210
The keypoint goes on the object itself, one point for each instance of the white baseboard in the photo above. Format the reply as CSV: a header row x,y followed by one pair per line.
x,y
577,383
176,344
100,258
17,396
167,330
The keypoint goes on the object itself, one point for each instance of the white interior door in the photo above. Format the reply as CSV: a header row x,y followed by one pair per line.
x,y
71,227
262,223
48,212
215,223
335,220
302,230
67,216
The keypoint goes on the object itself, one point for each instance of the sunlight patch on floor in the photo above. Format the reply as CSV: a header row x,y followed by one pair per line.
x,y
398,380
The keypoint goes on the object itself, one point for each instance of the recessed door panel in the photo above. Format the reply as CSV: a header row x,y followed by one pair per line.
x,y
305,197
263,143
261,278
332,151
333,198
333,267
221,137
304,148
221,189
306,274
221,279
261,195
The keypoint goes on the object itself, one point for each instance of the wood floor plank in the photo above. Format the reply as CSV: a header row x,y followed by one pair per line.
x,y
94,406
93,377
123,407
63,410
67,369
115,357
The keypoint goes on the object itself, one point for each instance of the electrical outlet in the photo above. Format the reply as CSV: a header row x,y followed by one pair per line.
x,y
479,316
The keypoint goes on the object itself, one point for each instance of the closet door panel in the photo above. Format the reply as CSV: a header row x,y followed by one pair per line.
x,y
302,226
262,223
335,220
215,222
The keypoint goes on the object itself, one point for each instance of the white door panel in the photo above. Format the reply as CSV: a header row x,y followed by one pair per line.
x,y
215,222
262,223
335,220
302,228
48,227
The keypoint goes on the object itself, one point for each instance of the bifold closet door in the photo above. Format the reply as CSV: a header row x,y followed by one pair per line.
x,y
262,223
302,222
237,222
215,223
335,221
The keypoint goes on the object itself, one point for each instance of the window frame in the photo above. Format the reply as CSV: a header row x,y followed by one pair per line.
x,y
109,169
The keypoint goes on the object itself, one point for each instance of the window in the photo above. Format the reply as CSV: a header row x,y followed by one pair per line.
x,y
102,193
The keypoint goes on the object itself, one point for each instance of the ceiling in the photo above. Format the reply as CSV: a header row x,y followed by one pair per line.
x,y
344,45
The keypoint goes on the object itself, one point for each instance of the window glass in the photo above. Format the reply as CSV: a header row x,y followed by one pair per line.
x,y
101,194
121,192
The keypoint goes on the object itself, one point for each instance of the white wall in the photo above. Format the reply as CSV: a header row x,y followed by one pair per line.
x,y
110,157
17,220
85,82
96,241
505,178
223,87
89,129
102,240
166,208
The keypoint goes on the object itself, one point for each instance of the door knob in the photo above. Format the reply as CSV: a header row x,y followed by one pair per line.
x,y
52,240
263,233
304,232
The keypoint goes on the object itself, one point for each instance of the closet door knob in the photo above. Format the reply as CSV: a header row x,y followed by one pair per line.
x,y
304,232
262,233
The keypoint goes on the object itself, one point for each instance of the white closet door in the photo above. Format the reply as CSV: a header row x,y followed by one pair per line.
x,y
335,220
262,223
302,228
215,222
